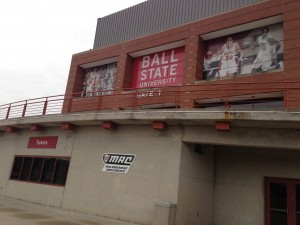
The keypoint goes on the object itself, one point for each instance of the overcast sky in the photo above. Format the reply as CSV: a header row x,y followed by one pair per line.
x,y
38,38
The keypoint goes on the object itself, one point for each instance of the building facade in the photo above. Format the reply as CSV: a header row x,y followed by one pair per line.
x,y
191,121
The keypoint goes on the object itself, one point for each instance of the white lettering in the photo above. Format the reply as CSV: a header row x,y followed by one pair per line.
x,y
146,61
149,94
165,70
155,60
172,57
143,75
157,73
163,58
173,71
151,70
38,142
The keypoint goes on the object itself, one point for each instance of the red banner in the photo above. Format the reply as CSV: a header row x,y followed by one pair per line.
x,y
159,69
42,142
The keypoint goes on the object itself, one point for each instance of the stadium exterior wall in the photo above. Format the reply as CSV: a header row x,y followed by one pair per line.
x,y
221,184
195,167
189,35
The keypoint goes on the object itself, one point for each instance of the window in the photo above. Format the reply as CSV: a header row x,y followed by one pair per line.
x,y
26,168
46,170
15,174
36,169
47,173
61,170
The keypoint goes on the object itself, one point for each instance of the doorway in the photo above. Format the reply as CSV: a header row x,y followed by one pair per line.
x,y
282,201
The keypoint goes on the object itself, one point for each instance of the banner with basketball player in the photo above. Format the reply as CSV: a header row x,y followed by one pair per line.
x,y
99,80
249,52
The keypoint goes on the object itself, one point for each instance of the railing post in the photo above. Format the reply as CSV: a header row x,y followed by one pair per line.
x,y
100,100
24,109
135,99
70,105
286,97
45,106
226,99
177,98
8,111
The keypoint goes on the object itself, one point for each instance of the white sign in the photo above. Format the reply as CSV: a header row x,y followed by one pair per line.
x,y
117,163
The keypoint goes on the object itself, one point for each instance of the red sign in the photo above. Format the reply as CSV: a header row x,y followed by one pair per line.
x,y
42,142
158,69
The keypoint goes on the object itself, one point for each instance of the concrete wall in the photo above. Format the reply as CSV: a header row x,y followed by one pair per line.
x,y
239,183
196,186
223,186
152,177
8,146
16,144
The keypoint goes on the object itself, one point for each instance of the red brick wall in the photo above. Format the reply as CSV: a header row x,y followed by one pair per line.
x,y
124,71
194,50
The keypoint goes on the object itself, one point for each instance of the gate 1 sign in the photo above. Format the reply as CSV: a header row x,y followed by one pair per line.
x,y
42,142
158,69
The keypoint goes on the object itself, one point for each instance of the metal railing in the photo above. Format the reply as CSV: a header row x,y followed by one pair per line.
x,y
208,97
32,107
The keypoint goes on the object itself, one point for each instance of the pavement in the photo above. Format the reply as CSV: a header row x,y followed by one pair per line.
x,y
17,212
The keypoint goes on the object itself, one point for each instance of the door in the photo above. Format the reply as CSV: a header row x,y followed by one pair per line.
x,y
282,201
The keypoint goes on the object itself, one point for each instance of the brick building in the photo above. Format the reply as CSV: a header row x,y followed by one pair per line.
x,y
185,112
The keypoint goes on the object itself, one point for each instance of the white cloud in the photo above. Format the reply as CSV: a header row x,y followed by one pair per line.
x,y
38,39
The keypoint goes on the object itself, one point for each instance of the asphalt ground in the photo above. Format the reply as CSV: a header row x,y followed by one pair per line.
x,y
17,212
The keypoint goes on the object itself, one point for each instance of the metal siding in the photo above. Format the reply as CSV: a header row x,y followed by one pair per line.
x,y
157,15
147,21
165,15
130,20
195,9
123,24
138,24
204,9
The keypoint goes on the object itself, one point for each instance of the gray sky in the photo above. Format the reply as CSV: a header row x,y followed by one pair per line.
x,y
38,38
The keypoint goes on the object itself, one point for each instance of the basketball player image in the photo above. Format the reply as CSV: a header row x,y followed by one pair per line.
x,y
211,65
267,56
230,56
83,90
90,83
86,84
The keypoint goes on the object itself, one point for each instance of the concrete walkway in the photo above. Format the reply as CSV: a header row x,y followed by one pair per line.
x,y
16,212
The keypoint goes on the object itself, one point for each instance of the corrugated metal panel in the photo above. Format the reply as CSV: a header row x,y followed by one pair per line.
x,y
156,15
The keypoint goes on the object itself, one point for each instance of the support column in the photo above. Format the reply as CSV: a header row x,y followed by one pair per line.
x,y
124,72
194,53
193,68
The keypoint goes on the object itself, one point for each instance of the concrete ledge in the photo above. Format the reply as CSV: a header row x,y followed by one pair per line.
x,y
266,119
165,204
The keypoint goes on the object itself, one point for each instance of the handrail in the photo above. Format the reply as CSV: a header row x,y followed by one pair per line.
x,y
205,95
